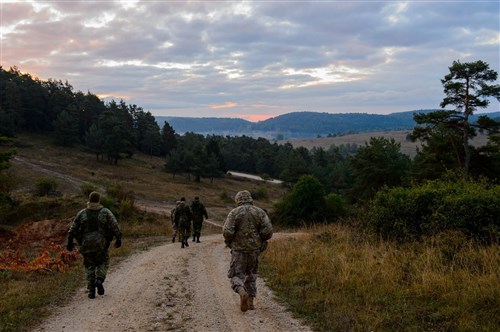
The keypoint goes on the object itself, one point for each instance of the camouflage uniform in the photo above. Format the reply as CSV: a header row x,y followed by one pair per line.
x,y
94,228
199,211
175,226
183,218
246,231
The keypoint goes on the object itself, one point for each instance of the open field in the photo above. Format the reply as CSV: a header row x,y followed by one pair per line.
x,y
407,147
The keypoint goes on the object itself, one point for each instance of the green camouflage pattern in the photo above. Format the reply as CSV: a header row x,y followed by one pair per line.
x,y
96,265
94,229
183,218
199,211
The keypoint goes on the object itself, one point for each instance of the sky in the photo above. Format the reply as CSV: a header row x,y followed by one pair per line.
x,y
252,59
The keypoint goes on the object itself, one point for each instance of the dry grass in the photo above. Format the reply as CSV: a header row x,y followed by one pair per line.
x,y
30,295
407,147
341,281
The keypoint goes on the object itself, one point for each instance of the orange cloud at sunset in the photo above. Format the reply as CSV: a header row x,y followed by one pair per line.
x,y
226,105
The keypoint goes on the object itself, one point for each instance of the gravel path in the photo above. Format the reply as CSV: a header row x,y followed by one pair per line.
x,y
171,289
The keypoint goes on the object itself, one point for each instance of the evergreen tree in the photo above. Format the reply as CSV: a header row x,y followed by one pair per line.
x,y
467,88
378,163
168,139
66,129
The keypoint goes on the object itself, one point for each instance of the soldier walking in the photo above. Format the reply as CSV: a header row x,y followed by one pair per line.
x,y
94,228
199,211
175,225
246,231
183,218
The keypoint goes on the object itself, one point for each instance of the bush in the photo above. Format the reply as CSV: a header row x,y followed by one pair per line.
x,y
259,193
45,185
471,207
335,206
87,188
304,204
115,190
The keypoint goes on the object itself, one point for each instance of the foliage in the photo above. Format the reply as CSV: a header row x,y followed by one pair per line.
x,y
304,204
259,193
335,206
52,258
467,88
87,188
468,206
45,185
379,163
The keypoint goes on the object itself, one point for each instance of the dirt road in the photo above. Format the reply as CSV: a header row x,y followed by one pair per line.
x,y
171,289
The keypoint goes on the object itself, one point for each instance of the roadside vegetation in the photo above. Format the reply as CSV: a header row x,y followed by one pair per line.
x,y
389,242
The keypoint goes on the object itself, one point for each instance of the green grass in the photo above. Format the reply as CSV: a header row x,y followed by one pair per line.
x,y
340,280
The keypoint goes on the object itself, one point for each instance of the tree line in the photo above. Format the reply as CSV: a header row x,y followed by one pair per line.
x,y
116,130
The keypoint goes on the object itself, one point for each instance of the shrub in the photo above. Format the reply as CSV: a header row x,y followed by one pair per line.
x,y
304,204
259,193
87,188
45,185
471,207
335,206
115,190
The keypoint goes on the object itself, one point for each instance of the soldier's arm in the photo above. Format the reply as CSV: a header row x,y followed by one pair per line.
x,y
228,229
266,230
205,213
113,224
74,229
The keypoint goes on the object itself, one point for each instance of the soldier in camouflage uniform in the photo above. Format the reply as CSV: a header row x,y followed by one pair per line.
x,y
175,226
94,228
183,218
246,231
199,211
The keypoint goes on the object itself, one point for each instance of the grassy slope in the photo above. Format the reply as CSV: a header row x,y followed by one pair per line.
x,y
336,278
407,147
30,295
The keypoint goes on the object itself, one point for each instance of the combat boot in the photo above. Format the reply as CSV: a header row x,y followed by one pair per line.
x,y
173,239
92,294
194,238
100,287
244,297
182,244
250,303
198,240
186,241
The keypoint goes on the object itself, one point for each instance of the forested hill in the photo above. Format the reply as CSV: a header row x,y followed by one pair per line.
x,y
298,124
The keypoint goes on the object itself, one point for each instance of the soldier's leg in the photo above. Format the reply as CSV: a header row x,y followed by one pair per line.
x,y
90,270
237,275
101,271
251,277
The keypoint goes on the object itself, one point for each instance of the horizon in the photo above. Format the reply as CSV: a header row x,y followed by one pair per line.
x,y
252,60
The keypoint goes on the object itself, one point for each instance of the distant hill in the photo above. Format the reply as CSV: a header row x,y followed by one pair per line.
x,y
298,124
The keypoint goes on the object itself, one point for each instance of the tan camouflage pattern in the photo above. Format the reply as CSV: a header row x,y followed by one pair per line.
x,y
247,227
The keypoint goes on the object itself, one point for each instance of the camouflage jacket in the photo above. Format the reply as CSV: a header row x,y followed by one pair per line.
x,y
247,227
199,211
183,215
94,228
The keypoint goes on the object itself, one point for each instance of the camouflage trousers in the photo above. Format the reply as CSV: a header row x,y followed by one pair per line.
x,y
184,230
243,270
96,266
175,231
197,228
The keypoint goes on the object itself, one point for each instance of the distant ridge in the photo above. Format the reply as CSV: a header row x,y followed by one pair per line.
x,y
298,124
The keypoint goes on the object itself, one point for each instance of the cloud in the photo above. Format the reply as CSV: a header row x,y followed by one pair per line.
x,y
226,105
183,58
